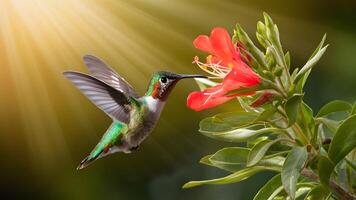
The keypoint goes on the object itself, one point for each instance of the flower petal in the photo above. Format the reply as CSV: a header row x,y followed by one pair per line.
x,y
208,98
203,43
222,44
240,76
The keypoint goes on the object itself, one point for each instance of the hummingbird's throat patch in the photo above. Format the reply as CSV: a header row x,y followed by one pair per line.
x,y
155,92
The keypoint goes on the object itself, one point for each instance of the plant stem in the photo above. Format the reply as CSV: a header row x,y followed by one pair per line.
x,y
279,86
337,189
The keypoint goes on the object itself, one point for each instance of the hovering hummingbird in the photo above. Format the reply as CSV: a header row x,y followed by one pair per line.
x,y
134,116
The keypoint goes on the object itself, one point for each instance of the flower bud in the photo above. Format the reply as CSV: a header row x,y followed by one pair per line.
x,y
261,40
261,28
278,71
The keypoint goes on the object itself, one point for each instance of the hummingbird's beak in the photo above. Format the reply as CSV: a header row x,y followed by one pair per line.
x,y
182,76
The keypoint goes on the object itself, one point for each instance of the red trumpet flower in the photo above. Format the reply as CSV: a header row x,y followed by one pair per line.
x,y
224,62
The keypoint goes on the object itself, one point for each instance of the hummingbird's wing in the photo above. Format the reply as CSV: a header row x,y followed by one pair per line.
x,y
112,101
105,73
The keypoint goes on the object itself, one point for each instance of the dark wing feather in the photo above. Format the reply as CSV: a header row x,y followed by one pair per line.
x,y
103,72
113,102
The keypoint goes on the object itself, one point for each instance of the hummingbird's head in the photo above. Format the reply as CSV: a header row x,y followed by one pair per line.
x,y
163,82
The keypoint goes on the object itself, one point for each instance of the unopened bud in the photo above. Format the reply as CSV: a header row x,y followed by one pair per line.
x,y
261,28
268,74
261,40
278,71
264,98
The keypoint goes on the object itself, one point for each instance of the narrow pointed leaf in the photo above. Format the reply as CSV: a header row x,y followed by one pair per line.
x,y
334,106
294,73
232,178
321,44
287,59
292,167
310,64
344,140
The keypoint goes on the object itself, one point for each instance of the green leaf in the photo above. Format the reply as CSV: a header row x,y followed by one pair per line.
x,y
259,150
344,140
301,191
227,121
261,40
233,159
230,159
302,188
320,45
306,120
353,111
294,73
307,113
287,59
272,163
325,169
331,124
232,178
206,160
238,135
266,114
317,193
351,164
334,106
310,64
292,167
270,190
237,119
292,108
254,141
300,83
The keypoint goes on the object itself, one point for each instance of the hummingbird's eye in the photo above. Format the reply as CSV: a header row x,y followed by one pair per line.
x,y
163,79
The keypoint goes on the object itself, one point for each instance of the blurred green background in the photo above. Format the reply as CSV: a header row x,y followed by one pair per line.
x,y
47,126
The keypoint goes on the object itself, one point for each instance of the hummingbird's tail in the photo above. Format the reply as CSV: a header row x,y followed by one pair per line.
x,y
106,144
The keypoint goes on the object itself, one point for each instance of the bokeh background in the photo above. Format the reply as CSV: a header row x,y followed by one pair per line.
x,y
47,126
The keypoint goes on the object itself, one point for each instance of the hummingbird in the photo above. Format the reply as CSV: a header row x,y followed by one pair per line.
x,y
133,116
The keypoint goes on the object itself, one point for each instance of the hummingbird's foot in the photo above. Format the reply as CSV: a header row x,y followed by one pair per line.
x,y
134,148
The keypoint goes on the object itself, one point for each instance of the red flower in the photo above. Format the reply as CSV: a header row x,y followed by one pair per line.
x,y
225,62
